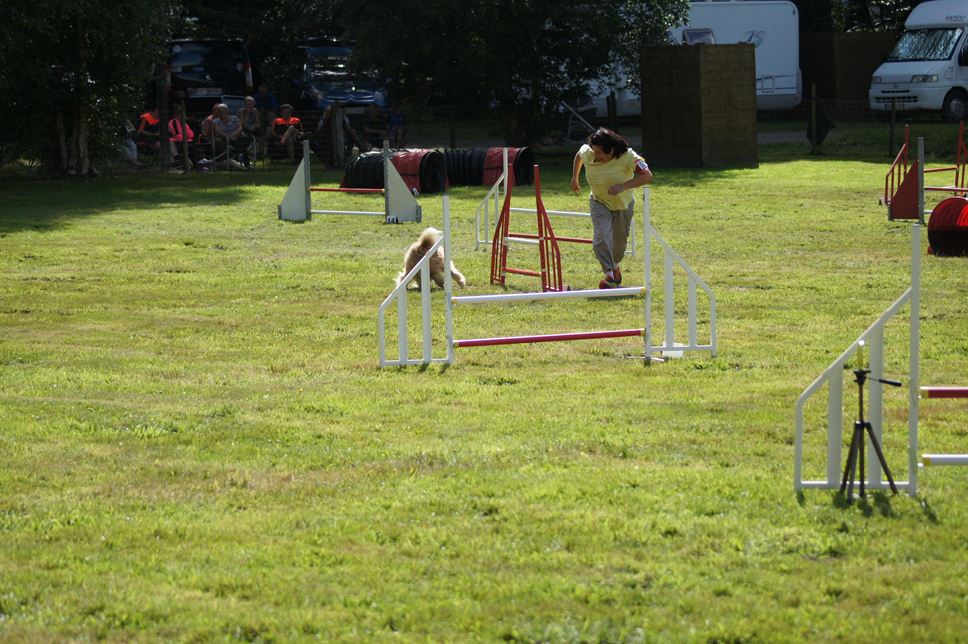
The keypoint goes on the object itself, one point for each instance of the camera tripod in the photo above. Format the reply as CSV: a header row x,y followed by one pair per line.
x,y
855,455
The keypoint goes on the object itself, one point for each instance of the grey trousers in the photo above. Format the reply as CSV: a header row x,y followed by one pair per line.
x,y
611,232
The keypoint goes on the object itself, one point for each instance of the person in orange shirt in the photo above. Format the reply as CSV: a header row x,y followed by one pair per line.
x,y
149,132
287,130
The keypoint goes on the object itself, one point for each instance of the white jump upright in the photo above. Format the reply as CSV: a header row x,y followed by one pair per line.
x,y
399,205
833,377
650,349
492,204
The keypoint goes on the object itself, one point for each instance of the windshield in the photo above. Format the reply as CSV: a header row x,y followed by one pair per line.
x,y
206,57
926,44
328,63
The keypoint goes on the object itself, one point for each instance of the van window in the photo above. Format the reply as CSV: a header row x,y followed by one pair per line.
x,y
926,44
207,57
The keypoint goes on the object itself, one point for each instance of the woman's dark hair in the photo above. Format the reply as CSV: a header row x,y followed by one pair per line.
x,y
609,142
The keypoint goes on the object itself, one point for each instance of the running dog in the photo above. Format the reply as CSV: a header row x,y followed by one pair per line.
x,y
417,251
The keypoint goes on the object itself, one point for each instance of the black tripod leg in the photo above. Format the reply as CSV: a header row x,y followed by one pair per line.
x,y
880,457
849,465
862,475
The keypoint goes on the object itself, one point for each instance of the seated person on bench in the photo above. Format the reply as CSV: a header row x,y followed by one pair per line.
x,y
287,131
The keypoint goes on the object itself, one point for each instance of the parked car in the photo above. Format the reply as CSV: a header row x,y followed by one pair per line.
x,y
325,78
206,71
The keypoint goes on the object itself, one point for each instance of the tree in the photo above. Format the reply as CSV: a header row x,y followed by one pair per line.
x,y
74,69
523,56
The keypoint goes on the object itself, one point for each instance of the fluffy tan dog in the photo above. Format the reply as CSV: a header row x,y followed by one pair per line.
x,y
417,251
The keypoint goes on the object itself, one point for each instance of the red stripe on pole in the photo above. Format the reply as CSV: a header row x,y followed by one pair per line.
x,y
945,392
362,190
553,337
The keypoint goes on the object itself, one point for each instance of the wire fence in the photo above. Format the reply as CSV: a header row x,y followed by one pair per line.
x,y
191,144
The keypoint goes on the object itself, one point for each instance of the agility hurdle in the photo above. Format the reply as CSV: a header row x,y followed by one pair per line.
x,y
902,186
873,337
496,196
399,205
668,347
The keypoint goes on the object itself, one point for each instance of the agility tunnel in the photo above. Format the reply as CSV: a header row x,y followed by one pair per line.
x,y
948,227
483,166
421,170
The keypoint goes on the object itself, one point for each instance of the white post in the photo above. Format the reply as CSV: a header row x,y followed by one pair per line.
x,y
448,284
835,424
647,270
670,309
402,327
876,405
425,317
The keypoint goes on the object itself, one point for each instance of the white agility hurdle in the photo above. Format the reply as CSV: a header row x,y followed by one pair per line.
x,y
669,347
494,199
399,205
832,377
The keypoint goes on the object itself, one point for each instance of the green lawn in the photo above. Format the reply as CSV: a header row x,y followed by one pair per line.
x,y
198,444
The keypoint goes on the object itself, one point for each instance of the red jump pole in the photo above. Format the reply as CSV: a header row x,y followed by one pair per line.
x,y
360,190
553,337
945,392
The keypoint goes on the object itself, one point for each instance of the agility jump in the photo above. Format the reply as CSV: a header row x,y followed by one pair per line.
x,y
873,338
669,347
399,205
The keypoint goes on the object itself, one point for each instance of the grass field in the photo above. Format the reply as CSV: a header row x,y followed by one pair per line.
x,y
198,444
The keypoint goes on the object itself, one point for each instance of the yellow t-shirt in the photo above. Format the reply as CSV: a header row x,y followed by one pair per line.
x,y
601,176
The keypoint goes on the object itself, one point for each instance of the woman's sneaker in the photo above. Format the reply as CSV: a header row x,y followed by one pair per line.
x,y
608,281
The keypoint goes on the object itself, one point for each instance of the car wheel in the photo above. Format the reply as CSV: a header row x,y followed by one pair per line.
x,y
955,104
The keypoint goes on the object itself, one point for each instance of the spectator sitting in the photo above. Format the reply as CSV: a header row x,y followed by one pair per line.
x,y
228,136
267,105
322,141
127,145
207,129
287,130
180,133
396,128
149,132
251,121
375,131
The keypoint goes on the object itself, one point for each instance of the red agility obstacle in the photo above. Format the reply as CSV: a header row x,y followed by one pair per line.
x,y
549,254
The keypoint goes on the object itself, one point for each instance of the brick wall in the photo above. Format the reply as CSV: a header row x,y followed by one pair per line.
x,y
699,105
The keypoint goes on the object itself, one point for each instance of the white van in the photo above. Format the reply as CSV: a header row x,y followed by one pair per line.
x,y
928,69
772,26
774,30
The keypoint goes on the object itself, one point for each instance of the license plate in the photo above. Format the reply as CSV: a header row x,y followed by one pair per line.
x,y
205,91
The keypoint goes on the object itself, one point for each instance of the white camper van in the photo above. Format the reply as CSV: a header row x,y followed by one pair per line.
x,y
773,27
928,69
774,30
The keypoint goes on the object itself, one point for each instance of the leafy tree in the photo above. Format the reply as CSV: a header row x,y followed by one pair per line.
x,y
73,70
523,56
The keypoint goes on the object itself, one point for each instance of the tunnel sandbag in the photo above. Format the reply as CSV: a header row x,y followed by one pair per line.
x,y
421,170
465,166
521,161
948,227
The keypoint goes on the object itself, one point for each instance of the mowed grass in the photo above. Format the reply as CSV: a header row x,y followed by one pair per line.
x,y
198,444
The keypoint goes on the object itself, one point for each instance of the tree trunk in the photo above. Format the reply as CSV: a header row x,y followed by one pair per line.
x,y
62,141
83,130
